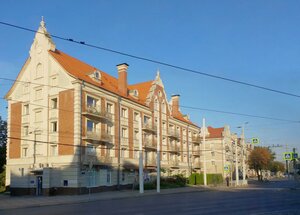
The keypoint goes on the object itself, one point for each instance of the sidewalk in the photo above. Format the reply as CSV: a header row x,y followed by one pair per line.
x,y
9,202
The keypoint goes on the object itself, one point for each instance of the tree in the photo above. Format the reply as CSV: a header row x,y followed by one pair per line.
x,y
3,140
260,159
277,166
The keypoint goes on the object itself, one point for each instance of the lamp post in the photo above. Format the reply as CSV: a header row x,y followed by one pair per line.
x,y
243,151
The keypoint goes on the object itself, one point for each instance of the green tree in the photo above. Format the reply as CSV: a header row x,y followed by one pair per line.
x,y
260,159
276,166
3,140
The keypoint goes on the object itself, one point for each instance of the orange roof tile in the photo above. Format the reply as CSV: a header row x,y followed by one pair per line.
x,y
215,132
142,88
81,70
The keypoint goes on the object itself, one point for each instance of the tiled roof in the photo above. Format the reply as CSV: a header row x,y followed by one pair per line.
x,y
81,70
215,132
142,88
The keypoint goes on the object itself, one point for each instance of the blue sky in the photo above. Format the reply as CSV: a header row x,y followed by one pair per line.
x,y
251,41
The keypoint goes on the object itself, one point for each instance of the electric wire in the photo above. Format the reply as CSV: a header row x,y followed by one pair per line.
x,y
155,61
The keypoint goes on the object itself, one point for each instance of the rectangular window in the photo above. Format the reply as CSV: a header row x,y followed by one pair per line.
x,y
124,113
146,119
53,81
109,108
124,132
54,126
91,126
38,94
136,154
25,130
38,116
24,152
54,103
136,134
164,141
108,177
108,129
136,116
26,109
213,154
91,102
213,163
90,149
53,150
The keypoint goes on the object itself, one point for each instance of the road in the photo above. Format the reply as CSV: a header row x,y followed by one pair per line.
x,y
261,198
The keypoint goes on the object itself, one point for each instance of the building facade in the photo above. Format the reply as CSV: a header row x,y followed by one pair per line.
x,y
72,126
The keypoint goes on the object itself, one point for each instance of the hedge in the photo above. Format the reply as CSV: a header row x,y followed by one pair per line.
x,y
196,179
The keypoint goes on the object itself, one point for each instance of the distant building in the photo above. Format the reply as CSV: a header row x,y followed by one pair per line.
x,y
72,126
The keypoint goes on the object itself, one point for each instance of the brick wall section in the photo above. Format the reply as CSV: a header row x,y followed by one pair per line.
x,y
15,130
66,123
130,132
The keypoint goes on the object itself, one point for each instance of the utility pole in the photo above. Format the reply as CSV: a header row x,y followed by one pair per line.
x,y
287,163
236,164
119,146
158,152
243,155
141,178
204,158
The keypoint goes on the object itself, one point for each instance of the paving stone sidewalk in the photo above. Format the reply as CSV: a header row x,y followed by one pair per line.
x,y
12,202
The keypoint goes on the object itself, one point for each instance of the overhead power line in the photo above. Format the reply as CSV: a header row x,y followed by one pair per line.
x,y
157,62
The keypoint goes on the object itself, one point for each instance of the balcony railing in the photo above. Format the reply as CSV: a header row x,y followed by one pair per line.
x,y
174,163
95,113
149,144
196,152
105,159
148,127
151,162
196,139
174,149
98,138
173,134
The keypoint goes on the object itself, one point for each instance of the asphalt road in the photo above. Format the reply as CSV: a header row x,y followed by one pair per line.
x,y
262,198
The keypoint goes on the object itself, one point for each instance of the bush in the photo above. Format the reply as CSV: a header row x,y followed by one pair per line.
x,y
165,183
198,179
2,181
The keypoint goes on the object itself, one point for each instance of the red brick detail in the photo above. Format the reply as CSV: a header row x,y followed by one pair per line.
x,y
15,130
66,123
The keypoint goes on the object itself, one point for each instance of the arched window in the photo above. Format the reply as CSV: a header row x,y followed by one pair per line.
x,y
39,71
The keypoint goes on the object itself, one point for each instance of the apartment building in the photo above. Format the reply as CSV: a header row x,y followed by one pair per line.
x,y
73,127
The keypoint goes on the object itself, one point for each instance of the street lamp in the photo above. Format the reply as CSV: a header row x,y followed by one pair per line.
x,y
243,151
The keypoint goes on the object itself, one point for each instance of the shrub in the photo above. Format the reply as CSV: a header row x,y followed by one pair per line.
x,y
197,178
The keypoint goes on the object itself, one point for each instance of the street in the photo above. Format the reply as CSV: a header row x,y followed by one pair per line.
x,y
275,197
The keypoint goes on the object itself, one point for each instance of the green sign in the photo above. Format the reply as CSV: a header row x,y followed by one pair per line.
x,y
288,156
226,168
255,141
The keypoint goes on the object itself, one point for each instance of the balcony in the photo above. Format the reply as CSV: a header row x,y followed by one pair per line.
x,y
174,149
174,164
106,160
150,145
196,152
95,113
196,139
173,134
148,127
150,163
98,138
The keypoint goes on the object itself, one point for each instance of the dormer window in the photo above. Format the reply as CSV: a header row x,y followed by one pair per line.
x,y
97,75
134,93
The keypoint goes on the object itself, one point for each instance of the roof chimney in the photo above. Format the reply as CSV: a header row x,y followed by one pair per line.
x,y
122,79
175,104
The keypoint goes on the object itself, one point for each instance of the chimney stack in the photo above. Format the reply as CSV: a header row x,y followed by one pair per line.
x,y
122,78
175,104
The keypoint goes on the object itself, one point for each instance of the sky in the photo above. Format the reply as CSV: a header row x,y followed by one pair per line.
x,y
251,41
